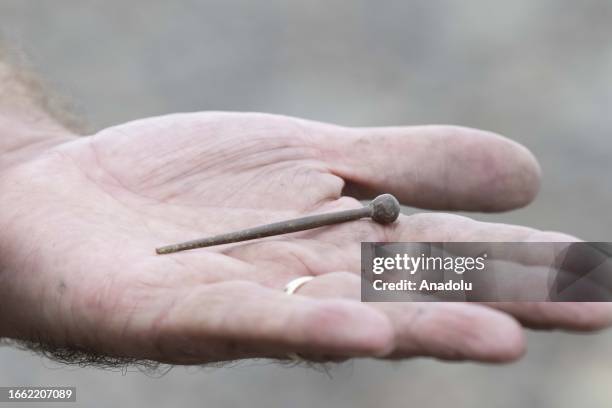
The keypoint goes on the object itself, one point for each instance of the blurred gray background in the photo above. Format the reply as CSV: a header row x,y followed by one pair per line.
x,y
536,71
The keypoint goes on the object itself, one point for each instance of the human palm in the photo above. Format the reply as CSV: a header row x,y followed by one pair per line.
x,y
85,216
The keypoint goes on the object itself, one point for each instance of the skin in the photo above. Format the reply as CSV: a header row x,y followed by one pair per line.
x,y
80,218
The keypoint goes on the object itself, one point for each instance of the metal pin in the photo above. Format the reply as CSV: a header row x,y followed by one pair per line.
x,y
384,209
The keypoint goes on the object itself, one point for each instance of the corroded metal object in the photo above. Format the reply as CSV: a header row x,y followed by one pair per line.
x,y
384,209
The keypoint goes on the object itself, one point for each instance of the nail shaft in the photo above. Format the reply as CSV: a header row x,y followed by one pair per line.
x,y
383,209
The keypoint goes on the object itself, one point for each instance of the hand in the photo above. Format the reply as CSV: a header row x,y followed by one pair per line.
x,y
80,222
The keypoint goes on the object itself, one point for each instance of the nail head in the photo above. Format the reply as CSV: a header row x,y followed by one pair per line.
x,y
385,209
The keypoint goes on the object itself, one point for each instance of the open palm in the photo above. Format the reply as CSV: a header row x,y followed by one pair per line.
x,y
85,216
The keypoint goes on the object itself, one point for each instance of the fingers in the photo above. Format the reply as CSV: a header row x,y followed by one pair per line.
x,y
455,331
436,167
342,251
572,316
446,227
440,227
240,319
449,331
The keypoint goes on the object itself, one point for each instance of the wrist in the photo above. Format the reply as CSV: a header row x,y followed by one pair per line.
x,y
27,129
20,143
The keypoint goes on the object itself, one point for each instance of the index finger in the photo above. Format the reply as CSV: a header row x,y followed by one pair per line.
x,y
435,167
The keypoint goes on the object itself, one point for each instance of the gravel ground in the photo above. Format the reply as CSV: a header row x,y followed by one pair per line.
x,y
538,72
